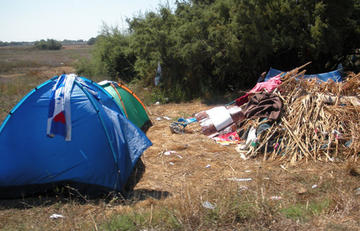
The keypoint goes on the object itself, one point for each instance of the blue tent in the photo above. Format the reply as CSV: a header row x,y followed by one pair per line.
x,y
333,75
102,151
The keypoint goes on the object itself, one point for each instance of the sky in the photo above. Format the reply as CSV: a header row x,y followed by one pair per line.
x,y
33,20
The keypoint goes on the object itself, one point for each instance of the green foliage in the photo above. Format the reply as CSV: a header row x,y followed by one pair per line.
x,y
221,45
91,41
49,44
123,222
304,212
158,95
166,218
113,56
134,221
2,44
85,67
12,43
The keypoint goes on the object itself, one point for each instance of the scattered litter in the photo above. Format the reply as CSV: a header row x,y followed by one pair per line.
x,y
208,205
168,153
157,103
179,156
301,190
247,170
337,134
158,118
167,118
208,166
348,143
314,186
56,216
242,156
243,188
171,163
227,139
251,139
239,179
224,143
241,147
276,146
266,178
276,198
178,126
283,167
357,191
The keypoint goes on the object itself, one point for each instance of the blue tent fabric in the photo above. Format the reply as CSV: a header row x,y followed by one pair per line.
x,y
103,150
271,73
333,75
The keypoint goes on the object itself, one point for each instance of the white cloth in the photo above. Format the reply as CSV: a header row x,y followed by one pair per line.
x,y
220,117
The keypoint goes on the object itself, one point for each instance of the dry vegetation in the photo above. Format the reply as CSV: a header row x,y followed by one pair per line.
x,y
200,186
23,68
319,121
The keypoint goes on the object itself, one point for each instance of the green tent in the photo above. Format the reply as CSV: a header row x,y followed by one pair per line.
x,y
129,103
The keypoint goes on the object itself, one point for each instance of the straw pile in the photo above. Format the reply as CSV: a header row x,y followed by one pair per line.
x,y
318,122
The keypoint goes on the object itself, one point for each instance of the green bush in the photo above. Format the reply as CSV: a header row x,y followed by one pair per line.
x,y
49,44
91,41
85,67
112,55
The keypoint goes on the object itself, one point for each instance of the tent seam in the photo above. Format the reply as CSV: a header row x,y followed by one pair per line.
x,y
122,102
101,121
103,90
23,100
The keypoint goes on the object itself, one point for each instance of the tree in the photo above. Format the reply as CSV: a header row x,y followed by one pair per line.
x,y
49,44
113,56
91,41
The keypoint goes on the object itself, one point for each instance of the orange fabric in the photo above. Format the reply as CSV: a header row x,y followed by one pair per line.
x,y
131,92
120,99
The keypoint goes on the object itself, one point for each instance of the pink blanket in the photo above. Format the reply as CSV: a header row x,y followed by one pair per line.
x,y
269,86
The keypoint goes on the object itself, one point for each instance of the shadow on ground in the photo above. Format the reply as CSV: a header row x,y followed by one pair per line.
x,y
70,192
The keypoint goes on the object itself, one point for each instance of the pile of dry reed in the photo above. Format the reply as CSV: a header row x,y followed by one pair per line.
x,y
320,121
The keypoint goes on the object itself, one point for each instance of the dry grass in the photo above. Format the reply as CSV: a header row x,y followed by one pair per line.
x,y
20,60
23,68
174,188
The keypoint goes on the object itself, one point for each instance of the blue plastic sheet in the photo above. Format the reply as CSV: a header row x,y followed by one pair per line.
x,y
333,75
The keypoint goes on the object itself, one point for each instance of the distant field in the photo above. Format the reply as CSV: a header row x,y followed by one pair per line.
x,y
23,68
17,61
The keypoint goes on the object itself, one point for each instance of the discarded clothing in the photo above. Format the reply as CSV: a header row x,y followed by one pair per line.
x,y
269,86
263,105
262,128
